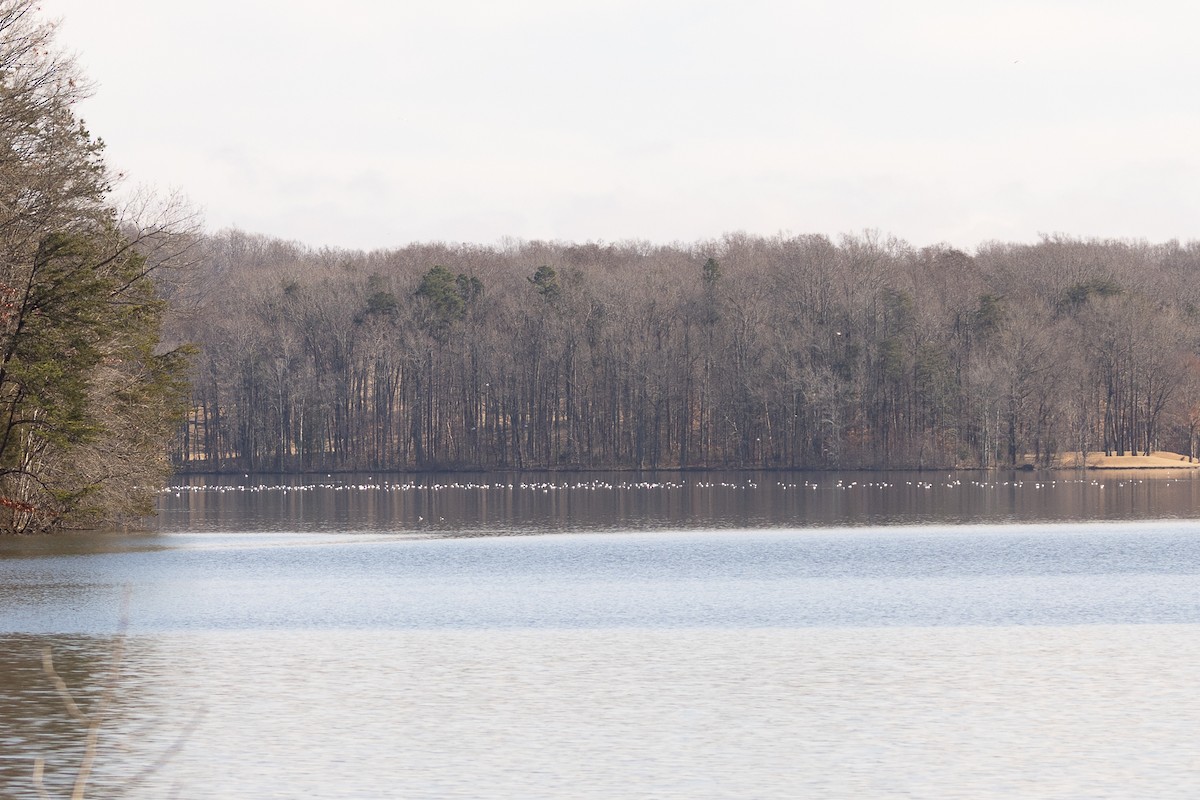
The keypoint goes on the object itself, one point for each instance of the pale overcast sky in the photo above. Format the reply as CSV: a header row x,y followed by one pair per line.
x,y
375,124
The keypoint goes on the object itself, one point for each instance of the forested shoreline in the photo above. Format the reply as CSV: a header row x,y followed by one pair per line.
x,y
745,351
131,344
89,397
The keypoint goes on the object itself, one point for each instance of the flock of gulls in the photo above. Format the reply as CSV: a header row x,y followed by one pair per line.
x,y
597,485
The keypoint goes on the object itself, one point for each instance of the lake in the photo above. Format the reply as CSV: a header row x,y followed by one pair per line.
x,y
618,635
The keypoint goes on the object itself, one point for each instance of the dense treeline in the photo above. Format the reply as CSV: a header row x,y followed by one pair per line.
x,y
88,399
746,351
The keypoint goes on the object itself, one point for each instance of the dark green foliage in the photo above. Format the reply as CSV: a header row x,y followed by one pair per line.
x,y
892,359
1078,295
57,341
469,288
989,316
546,281
88,399
446,298
382,304
440,289
710,273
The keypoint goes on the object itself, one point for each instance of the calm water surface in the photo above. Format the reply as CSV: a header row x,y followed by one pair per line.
x,y
775,635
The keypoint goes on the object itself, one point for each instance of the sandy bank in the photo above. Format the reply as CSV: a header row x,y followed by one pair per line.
x,y
1160,459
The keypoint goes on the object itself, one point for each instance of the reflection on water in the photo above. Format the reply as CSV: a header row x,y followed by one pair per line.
x,y
773,635
35,717
1092,711
467,504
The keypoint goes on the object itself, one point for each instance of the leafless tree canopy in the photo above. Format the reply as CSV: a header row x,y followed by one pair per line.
x,y
742,351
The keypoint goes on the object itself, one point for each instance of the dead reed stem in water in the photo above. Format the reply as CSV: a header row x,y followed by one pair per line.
x,y
97,714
